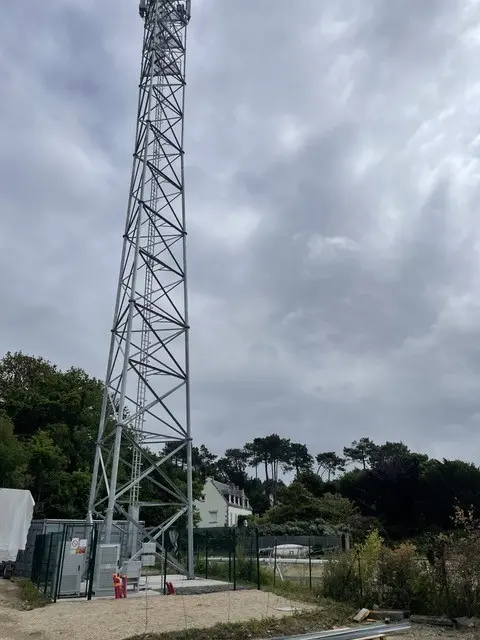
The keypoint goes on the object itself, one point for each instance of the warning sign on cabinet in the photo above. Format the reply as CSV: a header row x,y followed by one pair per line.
x,y
78,546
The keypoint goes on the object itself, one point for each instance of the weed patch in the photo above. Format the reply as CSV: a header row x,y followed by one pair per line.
x,y
326,615
30,595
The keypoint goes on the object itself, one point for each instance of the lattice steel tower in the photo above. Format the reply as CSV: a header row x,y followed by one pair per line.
x,y
147,382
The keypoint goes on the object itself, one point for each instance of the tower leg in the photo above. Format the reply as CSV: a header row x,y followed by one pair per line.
x,y
134,513
190,554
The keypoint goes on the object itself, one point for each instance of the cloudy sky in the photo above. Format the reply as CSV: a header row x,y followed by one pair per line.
x,y
333,198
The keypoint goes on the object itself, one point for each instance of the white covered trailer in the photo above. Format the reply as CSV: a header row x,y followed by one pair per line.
x,y
16,511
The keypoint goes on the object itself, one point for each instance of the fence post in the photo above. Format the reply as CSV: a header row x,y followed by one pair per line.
x,y
41,549
61,556
230,556
360,576
274,562
250,563
48,566
310,562
58,587
206,554
234,559
92,560
164,569
258,559
33,570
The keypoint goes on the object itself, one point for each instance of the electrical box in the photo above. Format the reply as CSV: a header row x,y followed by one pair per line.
x,y
72,572
148,561
148,554
133,570
149,548
106,564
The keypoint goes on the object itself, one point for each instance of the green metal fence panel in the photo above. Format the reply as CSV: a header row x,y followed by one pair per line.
x,y
226,554
63,563
46,562
244,557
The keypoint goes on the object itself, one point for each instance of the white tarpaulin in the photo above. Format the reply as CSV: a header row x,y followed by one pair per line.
x,y
16,511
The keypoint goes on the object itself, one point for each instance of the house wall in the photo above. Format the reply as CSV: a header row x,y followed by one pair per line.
x,y
234,511
213,502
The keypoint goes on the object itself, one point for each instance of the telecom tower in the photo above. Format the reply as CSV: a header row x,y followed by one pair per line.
x,y
146,402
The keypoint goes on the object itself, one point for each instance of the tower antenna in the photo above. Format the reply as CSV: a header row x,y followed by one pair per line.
x,y
146,402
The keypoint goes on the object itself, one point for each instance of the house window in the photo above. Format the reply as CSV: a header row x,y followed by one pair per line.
x,y
213,517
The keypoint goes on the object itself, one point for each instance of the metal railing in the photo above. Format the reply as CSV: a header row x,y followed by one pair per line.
x,y
359,633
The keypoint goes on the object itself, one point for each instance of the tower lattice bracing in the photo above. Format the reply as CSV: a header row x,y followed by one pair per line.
x,y
146,401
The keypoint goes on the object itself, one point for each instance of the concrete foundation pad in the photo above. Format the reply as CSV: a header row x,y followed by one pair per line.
x,y
153,586
182,585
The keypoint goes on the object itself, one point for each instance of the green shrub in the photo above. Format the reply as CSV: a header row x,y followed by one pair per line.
x,y
372,573
401,576
443,580
455,561
341,578
353,576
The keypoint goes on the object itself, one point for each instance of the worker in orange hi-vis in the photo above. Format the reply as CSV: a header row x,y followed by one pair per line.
x,y
117,585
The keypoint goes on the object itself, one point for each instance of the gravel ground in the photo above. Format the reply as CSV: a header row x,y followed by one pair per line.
x,y
119,619
419,632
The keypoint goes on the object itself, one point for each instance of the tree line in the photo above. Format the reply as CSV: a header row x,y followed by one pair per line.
x,y
48,428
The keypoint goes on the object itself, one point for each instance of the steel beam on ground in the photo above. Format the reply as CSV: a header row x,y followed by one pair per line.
x,y
354,633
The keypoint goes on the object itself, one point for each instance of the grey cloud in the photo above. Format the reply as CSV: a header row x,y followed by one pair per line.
x,y
341,312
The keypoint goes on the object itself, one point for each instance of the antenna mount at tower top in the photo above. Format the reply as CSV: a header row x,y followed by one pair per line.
x,y
183,7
